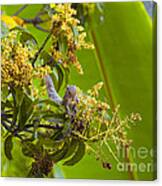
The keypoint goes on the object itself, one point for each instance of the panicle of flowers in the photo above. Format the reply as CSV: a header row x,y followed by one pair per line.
x,y
90,110
67,31
16,69
104,125
94,91
118,128
41,72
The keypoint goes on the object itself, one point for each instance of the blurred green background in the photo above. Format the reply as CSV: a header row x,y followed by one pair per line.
x,y
124,58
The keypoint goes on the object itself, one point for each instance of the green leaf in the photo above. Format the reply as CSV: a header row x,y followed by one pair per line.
x,y
48,101
124,51
77,156
55,78
60,76
55,118
25,111
60,154
8,104
57,135
4,92
28,149
45,56
25,35
19,96
8,145
66,76
47,142
63,45
72,147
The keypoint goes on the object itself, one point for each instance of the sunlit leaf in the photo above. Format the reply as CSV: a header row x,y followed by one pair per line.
x,y
60,154
26,110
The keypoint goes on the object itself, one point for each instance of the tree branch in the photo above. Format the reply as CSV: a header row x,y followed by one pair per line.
x,y
35,21
20,10
41,29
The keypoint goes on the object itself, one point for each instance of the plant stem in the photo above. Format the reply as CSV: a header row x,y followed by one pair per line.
x,y
41,48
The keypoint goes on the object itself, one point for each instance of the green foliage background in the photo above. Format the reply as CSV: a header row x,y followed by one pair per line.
x,y
124,60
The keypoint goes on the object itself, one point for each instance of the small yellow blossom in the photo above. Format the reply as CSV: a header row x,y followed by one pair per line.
x,y
41,72
94,91
90,110
66,25
17,69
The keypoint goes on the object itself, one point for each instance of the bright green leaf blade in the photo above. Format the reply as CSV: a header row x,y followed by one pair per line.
x,y
60,154
77,156
125,57
72,147
26,110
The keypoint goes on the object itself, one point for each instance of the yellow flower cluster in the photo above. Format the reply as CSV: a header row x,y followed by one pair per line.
x,y
16,74
94,91
16,70
67,29
41,72
90,110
